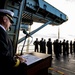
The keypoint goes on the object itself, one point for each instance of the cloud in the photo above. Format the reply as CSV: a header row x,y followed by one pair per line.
x,y
70,0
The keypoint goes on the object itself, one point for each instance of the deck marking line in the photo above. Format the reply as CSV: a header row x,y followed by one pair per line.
x,y
60,72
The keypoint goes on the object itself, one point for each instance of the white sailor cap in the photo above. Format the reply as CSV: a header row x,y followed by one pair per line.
x,y
7,13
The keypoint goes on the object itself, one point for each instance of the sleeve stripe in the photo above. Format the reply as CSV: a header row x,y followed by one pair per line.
x,y
17,63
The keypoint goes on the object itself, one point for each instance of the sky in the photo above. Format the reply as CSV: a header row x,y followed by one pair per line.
x,y
67,29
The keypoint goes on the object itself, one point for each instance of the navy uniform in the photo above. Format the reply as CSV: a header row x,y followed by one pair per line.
x,y
9,63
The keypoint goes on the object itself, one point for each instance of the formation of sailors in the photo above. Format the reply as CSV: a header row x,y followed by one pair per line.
x,y
57,47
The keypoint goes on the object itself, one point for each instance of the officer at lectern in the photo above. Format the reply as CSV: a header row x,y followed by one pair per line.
x,y
9,63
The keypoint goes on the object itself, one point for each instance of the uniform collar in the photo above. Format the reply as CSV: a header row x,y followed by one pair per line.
x,y
2,27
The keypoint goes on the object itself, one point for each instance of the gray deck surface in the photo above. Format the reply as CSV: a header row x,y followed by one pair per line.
x,y
63,66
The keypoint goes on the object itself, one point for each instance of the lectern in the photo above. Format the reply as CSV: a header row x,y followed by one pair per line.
x,y
39,64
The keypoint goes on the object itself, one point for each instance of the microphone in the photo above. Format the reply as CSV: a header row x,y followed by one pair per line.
x,y
27,34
